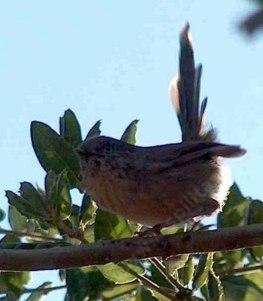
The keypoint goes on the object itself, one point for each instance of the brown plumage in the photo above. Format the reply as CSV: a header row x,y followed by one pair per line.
x,y
163,184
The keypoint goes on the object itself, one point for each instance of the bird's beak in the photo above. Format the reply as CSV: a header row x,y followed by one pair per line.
x,y
80,151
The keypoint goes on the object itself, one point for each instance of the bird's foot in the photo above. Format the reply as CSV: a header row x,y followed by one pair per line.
x,y
197,226
154,231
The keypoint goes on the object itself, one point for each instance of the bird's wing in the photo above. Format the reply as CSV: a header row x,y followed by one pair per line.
x,y
169,155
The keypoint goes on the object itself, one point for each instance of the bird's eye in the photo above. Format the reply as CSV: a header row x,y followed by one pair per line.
x,y
107,150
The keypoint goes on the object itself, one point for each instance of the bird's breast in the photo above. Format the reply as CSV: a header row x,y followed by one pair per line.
x,y
157,198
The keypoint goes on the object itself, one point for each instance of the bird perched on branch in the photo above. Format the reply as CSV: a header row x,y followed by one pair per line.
x,y
163,184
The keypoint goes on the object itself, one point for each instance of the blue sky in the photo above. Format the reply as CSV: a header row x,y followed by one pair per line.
x,y
113,60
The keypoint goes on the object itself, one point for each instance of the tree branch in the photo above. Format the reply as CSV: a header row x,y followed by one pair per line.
x,y
132,248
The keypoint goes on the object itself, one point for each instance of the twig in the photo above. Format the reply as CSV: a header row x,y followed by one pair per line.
x,y
43,289
241,271
156,262
29,235
148,283
132,248
72,233
144,280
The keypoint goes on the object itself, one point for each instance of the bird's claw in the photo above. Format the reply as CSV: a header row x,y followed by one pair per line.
x,y
154,231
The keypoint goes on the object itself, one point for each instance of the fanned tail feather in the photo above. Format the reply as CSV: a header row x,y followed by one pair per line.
x,y
185,94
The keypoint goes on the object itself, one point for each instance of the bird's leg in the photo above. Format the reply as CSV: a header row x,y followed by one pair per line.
x,y
198,226
205,209
154,231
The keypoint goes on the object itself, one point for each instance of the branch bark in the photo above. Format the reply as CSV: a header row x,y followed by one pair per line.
x,y
131,248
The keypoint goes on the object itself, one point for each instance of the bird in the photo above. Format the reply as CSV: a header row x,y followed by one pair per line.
x,y
163,184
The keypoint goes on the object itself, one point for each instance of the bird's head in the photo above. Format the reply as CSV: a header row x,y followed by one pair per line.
x,y
100,146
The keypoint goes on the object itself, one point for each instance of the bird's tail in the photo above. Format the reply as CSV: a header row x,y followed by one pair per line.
x,y
185,94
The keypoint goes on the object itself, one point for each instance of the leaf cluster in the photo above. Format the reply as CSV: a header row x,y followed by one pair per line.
x,y
47,217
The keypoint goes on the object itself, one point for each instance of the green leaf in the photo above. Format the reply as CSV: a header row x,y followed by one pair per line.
x,y
205,292
94,131
245,288
228,260
159,296
24,206
50,183
202,270
185,274
158,278
62,274
144,294
235,209
172,229
255,212
54,152
9,241
110,226
173,263
89,233
213,289
257,253
87,210
2,215
17,221
32,195
15,281
64,197
129,134
59,198
38,294
70,128
255,278
119,290
74,216
235,256
81,285
118,275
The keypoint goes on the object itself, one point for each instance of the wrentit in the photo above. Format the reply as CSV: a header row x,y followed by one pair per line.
x,y
163,184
